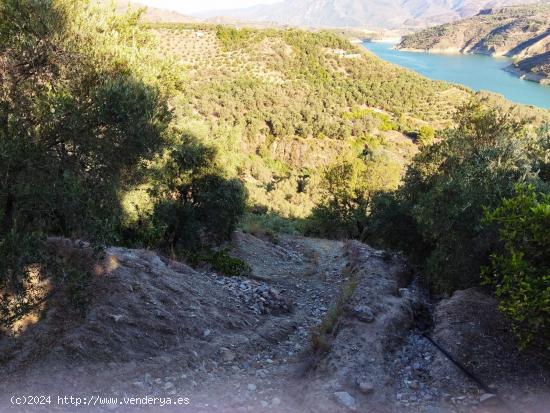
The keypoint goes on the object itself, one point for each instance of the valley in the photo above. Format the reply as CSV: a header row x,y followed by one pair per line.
x,y
479,72
199,217
287,103
520,32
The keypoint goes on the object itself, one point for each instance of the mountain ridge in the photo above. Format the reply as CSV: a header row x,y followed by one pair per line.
x,y
519,32
151,14
379,14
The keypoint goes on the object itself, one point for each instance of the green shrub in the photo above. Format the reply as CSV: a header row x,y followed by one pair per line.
x,y
441,204
426,135
348,187
231,38
520,269
222,262
343,211
196,206
392,225
82,105
270,225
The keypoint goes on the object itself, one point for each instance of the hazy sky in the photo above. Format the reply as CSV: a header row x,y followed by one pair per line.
x,y
194,6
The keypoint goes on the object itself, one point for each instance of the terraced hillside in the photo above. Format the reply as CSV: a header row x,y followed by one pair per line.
x,y
521,32
282,105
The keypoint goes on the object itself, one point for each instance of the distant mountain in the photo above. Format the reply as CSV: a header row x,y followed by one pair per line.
x,y
152,14
521,32
372,14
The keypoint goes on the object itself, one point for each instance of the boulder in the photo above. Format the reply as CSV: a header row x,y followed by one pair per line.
x,y
363,313
346,400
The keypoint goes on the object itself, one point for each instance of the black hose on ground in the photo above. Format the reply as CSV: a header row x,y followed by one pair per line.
x,y
468,373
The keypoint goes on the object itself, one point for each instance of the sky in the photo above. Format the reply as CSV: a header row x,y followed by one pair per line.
x,y
197,6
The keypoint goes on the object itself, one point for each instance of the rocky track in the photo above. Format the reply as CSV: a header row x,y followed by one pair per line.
x,y
161,329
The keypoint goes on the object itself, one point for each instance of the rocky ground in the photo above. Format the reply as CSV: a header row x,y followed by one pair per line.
x,y
158,328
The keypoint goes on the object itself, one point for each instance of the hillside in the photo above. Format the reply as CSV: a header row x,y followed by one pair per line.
x,y
364,13
185,212
521,32
535,68
282,105
286,104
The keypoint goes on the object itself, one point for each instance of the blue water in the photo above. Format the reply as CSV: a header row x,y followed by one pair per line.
x,y
477,72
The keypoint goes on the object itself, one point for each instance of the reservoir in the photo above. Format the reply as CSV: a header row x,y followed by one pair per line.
x,y
478,72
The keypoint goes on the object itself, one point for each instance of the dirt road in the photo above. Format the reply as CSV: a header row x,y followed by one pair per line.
x,y
161,329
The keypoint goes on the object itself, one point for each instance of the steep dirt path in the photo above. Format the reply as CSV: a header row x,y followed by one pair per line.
x,y
309,273
158,328
283,375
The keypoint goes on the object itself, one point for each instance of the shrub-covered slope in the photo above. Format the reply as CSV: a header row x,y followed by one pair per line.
x,y
283,104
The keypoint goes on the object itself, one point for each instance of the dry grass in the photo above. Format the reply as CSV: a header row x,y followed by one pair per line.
x,y
322,336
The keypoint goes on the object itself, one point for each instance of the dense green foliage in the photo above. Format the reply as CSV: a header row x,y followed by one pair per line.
x,y
344,210
196,205
75,120
446,189
438,215
84,112
461,216
347,188
520,269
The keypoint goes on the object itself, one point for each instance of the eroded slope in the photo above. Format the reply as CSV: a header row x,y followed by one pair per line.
x,y
522,32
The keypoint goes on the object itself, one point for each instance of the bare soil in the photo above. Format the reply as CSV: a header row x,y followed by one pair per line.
x,y
156,327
